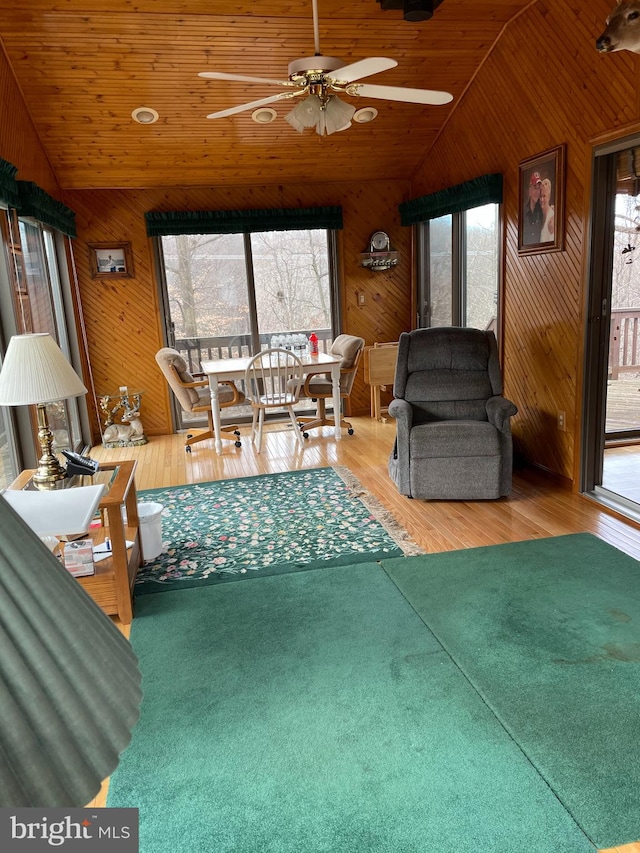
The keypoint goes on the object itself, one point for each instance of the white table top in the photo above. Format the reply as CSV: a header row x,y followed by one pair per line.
x,y
228,366
59,512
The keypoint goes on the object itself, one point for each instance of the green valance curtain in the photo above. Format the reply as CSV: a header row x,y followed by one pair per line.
x,y
487,189
8,184
162,224
34,201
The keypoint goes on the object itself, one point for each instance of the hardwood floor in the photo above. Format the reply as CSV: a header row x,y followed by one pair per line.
x,y
537,508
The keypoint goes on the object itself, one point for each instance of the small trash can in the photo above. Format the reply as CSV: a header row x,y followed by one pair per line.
x,y
150,515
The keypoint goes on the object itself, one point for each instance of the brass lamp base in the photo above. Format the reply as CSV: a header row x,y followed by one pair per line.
x,y
50,472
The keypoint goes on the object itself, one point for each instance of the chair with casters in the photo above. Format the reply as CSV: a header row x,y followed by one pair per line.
x,y
272,380
453,425
318,387
192,392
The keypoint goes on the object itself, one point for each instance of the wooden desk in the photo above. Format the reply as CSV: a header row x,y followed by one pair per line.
x,y
112,584
379,371
235,369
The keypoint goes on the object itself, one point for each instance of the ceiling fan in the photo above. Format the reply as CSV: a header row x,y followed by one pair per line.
x,y
319,77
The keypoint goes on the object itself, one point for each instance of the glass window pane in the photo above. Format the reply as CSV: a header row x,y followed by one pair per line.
x,y
67,411
440,271
8,458
291,275
37,280
208,297
46,310
480,307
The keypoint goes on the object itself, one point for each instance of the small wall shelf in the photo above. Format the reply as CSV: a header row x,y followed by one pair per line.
x,y
379,260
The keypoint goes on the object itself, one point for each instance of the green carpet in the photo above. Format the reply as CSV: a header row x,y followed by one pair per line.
x,y
313,712
231,530
548,632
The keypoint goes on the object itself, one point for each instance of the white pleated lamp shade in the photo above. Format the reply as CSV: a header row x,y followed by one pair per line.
x,y
69,681
35,370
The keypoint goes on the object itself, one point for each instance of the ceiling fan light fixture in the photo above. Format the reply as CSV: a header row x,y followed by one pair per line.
x,y
145,115
305,114
327,117
365,114
337,115
265,115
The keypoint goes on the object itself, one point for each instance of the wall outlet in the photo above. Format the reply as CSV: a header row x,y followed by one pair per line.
x,y
562,421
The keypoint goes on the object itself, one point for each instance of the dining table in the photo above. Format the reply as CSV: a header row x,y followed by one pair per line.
x,y
234,369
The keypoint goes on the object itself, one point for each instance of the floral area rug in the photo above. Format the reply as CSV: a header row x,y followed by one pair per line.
x,y
231,530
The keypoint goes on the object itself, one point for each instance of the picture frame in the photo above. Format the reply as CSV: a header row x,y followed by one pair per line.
x,y
541,202
110,260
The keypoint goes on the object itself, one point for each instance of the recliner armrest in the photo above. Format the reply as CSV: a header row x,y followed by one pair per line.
x,y
499,411
401,410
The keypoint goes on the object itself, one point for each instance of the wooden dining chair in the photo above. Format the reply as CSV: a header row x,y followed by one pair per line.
x,y
272,381
192,392
319,387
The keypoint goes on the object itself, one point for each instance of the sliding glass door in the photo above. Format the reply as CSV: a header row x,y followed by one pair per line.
x,y
610,453
229,295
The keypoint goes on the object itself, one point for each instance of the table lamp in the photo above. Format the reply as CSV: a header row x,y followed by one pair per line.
x,y
35,372
70,684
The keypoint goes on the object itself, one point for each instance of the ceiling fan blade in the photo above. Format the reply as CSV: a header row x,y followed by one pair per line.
x,y
220,75
397,93
254,104
363,68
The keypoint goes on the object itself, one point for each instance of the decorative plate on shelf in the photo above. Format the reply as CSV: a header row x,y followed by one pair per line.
x,y
379,242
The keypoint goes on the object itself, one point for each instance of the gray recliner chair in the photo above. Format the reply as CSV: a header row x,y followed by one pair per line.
x,y
453,428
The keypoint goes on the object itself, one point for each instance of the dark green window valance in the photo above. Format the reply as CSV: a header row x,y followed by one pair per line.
x,y
162,224
8,184
35,202
486,189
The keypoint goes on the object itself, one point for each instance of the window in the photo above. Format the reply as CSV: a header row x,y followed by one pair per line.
x,y
9,467
44,312
459,273
459,254
234,291
33,299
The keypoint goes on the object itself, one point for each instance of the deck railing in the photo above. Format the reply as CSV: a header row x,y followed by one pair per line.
x,y
236,346
624,342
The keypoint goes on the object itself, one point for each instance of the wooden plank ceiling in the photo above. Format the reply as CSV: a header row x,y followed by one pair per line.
x,y
84,65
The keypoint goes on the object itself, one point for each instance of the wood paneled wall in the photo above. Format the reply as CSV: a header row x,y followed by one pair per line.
x,y
543,84
19,142
123,317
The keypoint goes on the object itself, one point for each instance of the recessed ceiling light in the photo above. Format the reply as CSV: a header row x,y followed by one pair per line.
x,y
365,114
265,115
145,115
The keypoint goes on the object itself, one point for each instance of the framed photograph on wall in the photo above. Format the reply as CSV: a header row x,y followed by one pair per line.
x,y
110,260
541,202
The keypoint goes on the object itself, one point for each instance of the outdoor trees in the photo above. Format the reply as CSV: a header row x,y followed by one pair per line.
x,y
214,280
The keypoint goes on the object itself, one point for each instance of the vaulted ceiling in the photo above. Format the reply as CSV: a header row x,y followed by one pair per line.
x,y
84,65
